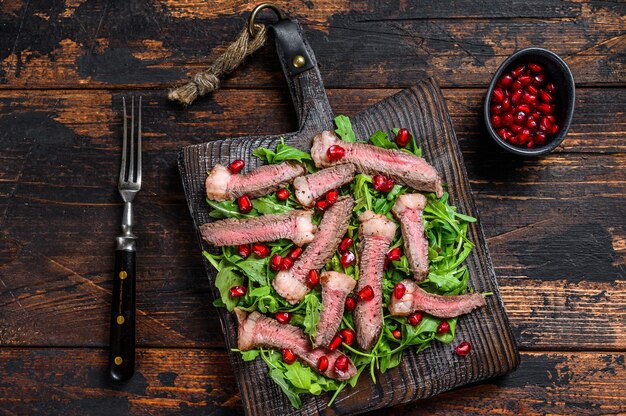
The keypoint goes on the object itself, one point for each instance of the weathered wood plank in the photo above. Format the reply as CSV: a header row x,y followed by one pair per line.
x,y
175,381
95,44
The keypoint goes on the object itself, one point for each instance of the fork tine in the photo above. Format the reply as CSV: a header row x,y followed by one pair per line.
x,y
124,146
139,144
131,165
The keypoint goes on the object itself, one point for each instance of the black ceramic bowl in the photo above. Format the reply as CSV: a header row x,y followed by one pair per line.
x,y
559,73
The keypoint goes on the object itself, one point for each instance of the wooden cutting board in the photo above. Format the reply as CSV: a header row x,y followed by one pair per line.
x,y
423,111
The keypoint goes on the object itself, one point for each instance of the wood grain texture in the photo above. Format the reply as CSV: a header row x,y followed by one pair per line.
x,y
72,382
135,43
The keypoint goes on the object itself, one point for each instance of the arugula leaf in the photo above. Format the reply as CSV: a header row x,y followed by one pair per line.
x,y
381,139
280,380
313,310
284,153
225,279
269,205
249,355
227,209
254,268
344,129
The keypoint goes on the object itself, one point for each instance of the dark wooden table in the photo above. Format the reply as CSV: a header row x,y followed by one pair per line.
x,y
556,225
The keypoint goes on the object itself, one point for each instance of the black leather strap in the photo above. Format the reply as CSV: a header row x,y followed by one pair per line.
x,y
289,45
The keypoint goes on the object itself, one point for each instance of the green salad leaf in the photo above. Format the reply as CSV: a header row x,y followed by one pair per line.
x,y
344,129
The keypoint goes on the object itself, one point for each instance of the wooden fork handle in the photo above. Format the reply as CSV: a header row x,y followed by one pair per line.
x,y
122,332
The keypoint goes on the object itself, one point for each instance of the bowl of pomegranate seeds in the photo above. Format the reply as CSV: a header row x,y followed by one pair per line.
x,y
530,102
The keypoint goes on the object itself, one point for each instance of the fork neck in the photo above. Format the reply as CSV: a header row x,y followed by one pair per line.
x,y
126,241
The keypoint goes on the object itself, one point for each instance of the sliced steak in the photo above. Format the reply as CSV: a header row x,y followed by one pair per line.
x,y
417,299
290,284
221,185
256,330
403,167
375,235
408,210
294,225
310,187
335,289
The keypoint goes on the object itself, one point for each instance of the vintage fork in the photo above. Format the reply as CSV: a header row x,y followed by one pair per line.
x,y
122,331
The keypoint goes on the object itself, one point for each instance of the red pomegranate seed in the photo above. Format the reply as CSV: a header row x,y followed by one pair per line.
x,y
331,197
335,343
335,152
282,194
244,204
350,303
540,138
530,144
539,79
275,262
397,334
536,114
529,98
399,290
506,104
516,86
507,119
545,124
546,97
496,109
347,335
496,121
502,133
312,278
463,348
347,258
505,81
516,129
551,118
287,263
546,108
244,250
288,356
523,136
366,294
551,87
260,250
341,364
283,317
415,318
403,137
443,327
295,253
531,89
523,107
321,205
516,98
236,166
525,80
238,291
388,186
498,95
519,117
518,71
345,244
536,68
554,129
531,123
378,182
322,363
394,254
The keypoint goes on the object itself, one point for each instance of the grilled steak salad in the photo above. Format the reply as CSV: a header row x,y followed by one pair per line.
x,y
338,260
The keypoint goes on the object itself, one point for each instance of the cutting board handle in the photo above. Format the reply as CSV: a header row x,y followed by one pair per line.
x,y
304,80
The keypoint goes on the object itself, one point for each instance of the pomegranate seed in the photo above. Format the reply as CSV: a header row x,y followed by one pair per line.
x,y
525,80
516,129
518,71
551,118
498,95
519,117
531,89
322,363
443,327
331,197
236,166
540,138
415,318
335,343
517,96
539,79
507,119
397,334
238,291
341,364
347,335
295,253
288,356
403,137
394,254
496,121
505,80
287,263
545,96
536,68
275,262
506,104
366,294
399,290
536,114
335,152
347,259
523,136
531,123
529,98
244,250
244,204
546,108
545,124
260,250
345,244
378,182
282,194
551,87
321,205
516,86
523,107
350,303
496,109
530,144
554,129
502,133
388,186
312,278
463,348
283,317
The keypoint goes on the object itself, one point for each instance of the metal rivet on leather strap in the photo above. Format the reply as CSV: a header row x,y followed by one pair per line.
x,y
298,61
